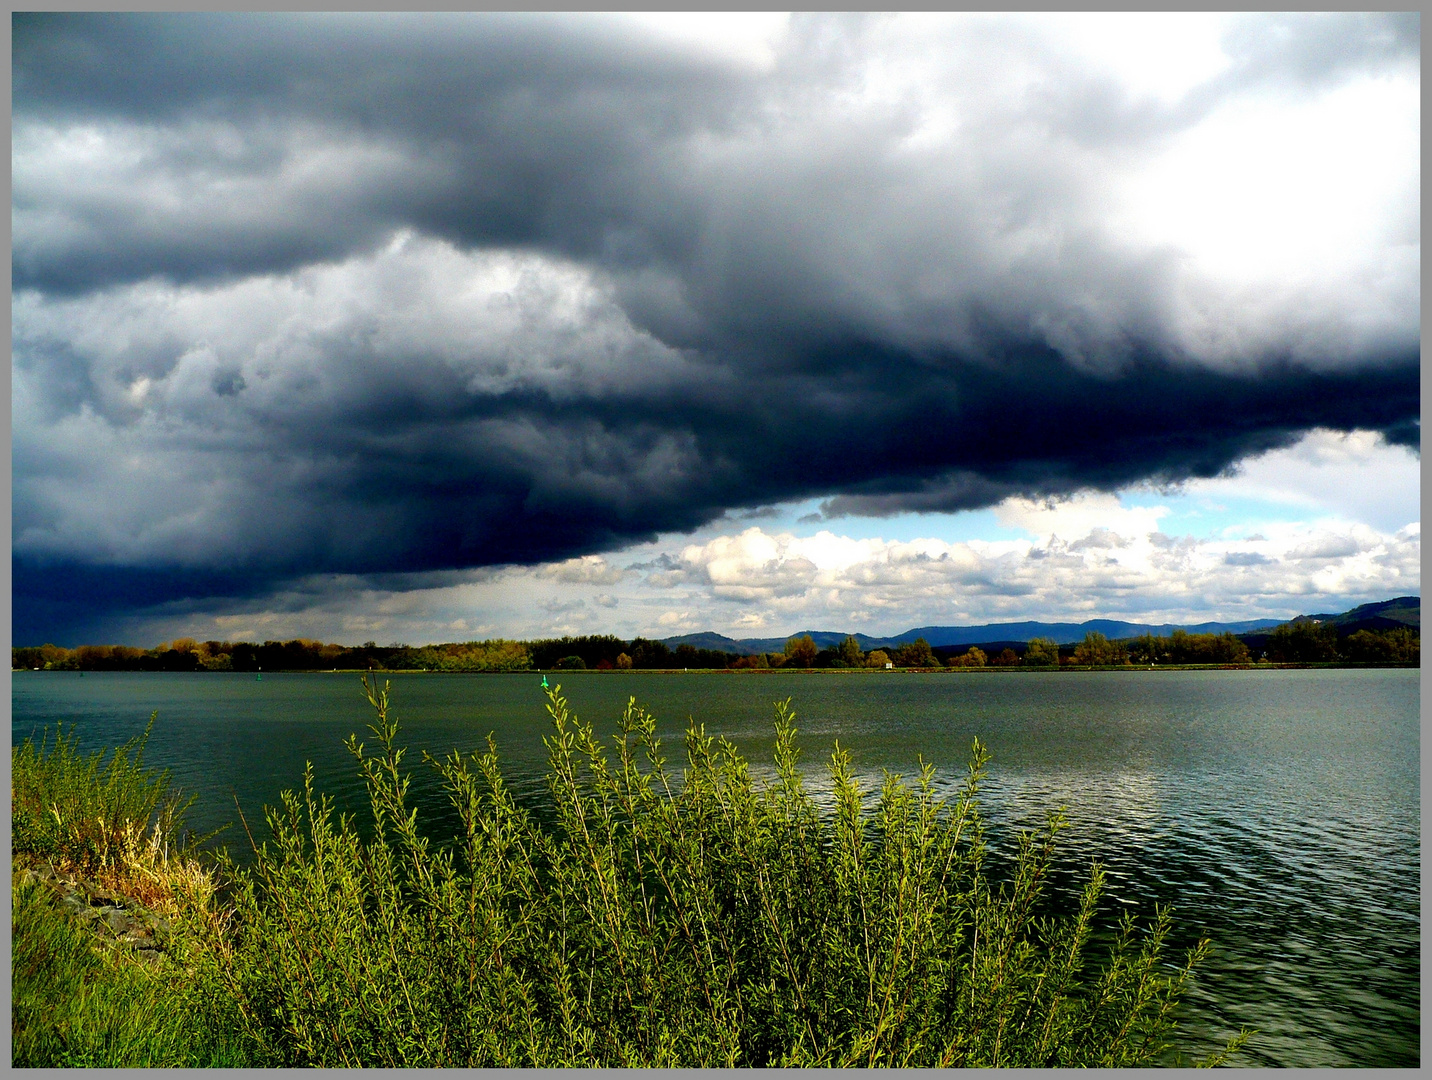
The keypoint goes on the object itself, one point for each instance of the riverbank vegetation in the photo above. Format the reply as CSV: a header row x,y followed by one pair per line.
x,y
110,903
640,916
1302,642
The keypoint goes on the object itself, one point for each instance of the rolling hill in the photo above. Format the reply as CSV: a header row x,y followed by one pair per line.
x,y
1382,615
945,636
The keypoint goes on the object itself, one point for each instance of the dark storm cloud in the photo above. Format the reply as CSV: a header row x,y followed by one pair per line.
x,y
494,130
702,284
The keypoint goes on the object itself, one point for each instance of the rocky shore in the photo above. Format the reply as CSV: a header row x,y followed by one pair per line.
x,y
117,920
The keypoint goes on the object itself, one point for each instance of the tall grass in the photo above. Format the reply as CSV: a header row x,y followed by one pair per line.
x,y
660,919
85,814
76,1004
77,997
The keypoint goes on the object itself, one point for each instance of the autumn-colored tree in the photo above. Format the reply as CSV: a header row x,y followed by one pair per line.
x,y
623,662
877,658
973,657
801,651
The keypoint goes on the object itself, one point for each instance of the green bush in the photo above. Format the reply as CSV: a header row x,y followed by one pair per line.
x,y
653,919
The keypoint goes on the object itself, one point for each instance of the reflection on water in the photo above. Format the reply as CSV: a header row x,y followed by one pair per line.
x,y
1277,811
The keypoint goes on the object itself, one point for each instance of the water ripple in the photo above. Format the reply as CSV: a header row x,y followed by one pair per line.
x,y
1248,801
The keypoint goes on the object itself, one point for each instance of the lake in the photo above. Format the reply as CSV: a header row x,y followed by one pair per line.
x,y
1278,811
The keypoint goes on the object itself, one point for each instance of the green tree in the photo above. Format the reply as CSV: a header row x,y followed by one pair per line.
x,y
1096,651
851,653
1398,646
877,658
917,654
1041,652
1148,649
1303,641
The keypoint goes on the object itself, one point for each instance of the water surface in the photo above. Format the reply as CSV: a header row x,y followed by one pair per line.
x,y
1278,811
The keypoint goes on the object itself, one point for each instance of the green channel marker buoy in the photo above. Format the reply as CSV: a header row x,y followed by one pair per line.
x,y
544,682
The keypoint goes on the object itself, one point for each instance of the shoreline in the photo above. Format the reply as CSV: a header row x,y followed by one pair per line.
x,y
987,670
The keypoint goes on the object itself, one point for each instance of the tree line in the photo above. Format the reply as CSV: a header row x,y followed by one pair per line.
x,y
1302,641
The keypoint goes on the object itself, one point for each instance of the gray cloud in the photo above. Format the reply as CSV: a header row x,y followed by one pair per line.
x,y
1245,558
396,294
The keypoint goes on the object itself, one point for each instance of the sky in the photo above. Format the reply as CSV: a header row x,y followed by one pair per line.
x,y
439,327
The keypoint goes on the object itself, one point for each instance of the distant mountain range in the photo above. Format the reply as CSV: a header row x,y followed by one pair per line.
x,y
1386,614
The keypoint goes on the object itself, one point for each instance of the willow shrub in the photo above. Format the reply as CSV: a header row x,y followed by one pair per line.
x,y
659,920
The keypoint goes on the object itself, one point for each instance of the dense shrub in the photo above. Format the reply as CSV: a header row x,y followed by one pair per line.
x,y
488,656
641,918
659,920
757,662
974,656
592,649
1181,647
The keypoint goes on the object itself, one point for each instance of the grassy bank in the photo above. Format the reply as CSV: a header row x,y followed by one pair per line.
x,y
654,917
101,864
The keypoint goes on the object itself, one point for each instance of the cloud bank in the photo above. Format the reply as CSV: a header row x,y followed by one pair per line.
x,y
393,295
1088,557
